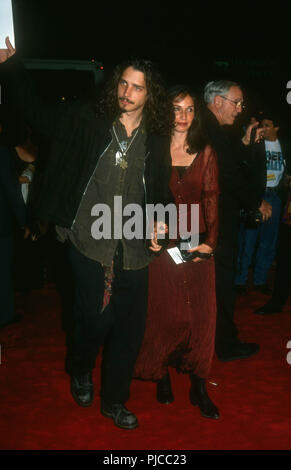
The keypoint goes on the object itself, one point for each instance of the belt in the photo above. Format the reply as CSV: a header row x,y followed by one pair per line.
x,y
272,190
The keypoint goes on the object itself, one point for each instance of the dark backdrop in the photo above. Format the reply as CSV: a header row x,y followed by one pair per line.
x,y
191,45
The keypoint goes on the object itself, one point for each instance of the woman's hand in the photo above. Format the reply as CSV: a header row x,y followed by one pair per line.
x,y
6,53
159,228
203,248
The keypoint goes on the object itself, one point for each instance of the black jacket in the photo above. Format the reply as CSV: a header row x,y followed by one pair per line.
x,y
78,139
242,177
12,206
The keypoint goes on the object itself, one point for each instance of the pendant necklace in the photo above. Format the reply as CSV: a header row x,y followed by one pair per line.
x,y
120,156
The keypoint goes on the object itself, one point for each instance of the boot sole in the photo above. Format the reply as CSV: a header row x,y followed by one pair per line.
x,y
235,358
205,415
167,402
194,403
80,403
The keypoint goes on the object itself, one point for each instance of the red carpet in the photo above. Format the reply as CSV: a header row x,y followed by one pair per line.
x,y
38,412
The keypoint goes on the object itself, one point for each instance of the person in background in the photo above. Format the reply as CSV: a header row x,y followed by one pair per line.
x,y
260,242
23,144
12,218
282,281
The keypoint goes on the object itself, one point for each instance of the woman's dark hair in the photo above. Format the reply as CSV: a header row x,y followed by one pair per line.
x,y
157,113
196,138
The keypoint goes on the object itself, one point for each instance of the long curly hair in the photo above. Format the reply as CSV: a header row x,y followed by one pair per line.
x,y
157,112
196,137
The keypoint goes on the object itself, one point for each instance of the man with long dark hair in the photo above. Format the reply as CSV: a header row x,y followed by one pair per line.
x,y
93,160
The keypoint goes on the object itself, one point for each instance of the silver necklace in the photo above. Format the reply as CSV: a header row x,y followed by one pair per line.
x,y
120,156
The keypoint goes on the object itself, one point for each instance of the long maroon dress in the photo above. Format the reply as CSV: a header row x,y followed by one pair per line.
x,y
181,317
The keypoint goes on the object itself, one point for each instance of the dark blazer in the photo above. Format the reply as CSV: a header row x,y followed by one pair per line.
x,y
78,139
238,178
12,206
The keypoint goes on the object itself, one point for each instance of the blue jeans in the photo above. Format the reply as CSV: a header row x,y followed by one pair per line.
x,y
261,243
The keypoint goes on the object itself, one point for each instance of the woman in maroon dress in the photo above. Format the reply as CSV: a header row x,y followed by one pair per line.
x,y
181,318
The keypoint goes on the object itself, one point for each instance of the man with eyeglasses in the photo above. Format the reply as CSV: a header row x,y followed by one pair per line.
x,y
239,188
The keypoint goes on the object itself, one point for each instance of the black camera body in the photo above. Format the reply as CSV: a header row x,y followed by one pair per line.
x,y
188,256
251,218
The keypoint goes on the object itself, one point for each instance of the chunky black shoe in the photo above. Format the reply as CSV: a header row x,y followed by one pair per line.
x,y
164,390
239,350
199,397
122,417
82,389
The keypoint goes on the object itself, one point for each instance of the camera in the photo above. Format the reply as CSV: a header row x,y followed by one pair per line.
x,y
185,244
251,218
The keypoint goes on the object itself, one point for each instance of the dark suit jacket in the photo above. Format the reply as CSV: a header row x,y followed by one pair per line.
x,y
12,206
241,180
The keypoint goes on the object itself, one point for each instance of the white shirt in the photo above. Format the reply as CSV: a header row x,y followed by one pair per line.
x,y
275,162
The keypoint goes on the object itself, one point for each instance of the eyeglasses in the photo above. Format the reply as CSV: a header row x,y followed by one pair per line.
x,y
238,104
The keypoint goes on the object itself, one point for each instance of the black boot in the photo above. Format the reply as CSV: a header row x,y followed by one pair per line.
x,y
164,390
82,389
198,396
122,417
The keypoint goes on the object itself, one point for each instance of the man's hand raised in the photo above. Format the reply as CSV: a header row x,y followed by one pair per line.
x,y
258,136
6,53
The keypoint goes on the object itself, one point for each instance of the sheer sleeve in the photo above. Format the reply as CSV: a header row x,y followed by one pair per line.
x,y
209,197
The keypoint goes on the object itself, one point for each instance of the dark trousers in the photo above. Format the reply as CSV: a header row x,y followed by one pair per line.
x,y
120,326
225,266
28,268
7,312
282,282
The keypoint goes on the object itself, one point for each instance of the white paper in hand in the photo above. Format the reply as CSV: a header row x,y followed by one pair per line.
x,y
6,23
175,255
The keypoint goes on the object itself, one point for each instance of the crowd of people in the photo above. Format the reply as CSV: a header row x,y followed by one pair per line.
x,y
151,146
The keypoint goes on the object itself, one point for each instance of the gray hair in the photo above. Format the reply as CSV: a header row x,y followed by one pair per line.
x,y
220,87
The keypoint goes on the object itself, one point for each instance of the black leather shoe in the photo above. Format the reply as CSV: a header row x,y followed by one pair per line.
x,y
164,390
122,417
239,350
269,308
263,288
199,397
82,389
240,289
